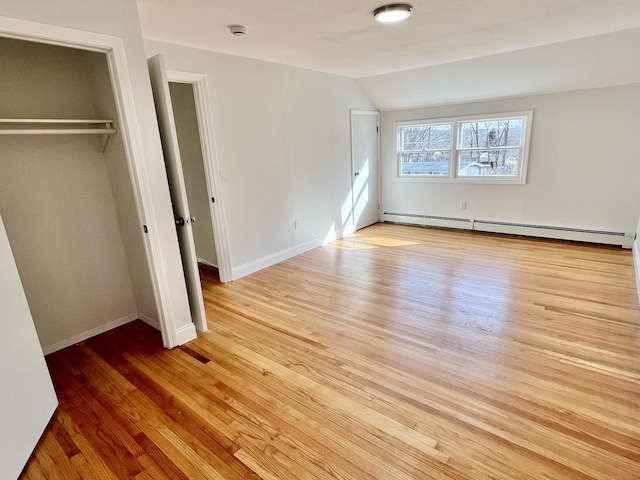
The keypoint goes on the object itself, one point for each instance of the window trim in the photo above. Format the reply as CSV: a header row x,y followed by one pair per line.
x,y
453,176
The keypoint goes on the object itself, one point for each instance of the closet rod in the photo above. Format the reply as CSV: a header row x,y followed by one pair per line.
x,y
67,126
57,131
51,120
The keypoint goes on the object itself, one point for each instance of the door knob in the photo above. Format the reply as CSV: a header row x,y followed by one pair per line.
x,y
180,222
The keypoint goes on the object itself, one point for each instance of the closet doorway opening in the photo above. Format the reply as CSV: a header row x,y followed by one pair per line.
x,y
194,125
74,199
187,129
158,296
66,196
187,142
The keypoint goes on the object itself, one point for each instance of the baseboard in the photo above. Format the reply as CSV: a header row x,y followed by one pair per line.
x,y
183,335
186,334
636,264
88,334
150,321
621,239
281,256
208,264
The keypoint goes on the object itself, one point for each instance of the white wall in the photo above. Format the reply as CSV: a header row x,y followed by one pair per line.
x,y
55,197
184,113
122,190
583,169
119,18
282,133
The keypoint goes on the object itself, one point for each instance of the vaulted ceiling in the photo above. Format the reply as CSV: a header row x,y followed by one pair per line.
x,y
341,37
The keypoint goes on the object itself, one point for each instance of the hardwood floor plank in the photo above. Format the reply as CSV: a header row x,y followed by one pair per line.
x,y
58,465
33,470
383,424
262,464
367,449
269,461
93,462
104,432
397,353
158,459
398,455
310,452
188,459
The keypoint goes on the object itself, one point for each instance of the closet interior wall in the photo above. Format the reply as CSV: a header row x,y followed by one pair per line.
x,y
69,209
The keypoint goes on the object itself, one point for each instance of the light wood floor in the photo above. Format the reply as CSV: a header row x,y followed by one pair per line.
x,y
398,353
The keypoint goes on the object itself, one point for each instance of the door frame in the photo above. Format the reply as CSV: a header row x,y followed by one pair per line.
x,y
373,113
214,188
115,52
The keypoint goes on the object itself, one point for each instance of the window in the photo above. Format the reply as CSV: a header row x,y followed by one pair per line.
x,y
425,149
487,149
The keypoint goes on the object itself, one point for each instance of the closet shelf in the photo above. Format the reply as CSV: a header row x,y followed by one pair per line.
x,y
49,126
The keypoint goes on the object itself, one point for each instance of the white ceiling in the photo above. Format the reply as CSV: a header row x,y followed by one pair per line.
x,y
341,37
605,60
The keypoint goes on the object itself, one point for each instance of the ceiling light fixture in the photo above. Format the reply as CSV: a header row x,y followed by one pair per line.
x,y
395,12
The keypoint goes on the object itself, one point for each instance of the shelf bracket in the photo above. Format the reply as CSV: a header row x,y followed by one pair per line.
x,y
105,137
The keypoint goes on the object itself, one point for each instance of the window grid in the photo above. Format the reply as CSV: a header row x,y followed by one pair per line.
x,y
496,150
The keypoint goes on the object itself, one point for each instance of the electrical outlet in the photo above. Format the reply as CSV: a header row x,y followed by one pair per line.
x,y
463,205
296,224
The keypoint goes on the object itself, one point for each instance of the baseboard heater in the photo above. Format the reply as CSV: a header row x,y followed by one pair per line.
x,y
621,239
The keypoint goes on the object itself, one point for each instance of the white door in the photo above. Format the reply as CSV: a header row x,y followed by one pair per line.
x,y
364,162
27,397
164,110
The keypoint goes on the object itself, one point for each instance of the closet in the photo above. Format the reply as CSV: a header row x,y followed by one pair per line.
x,y
66,197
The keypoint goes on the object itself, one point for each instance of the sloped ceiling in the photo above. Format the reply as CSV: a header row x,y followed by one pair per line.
x,y
436,50
601,61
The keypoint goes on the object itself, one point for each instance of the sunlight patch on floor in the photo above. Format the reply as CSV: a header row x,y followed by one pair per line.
x,y
386,242
350,244
364,243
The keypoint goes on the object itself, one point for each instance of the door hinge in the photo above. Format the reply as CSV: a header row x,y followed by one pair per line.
x,y
213,200
145,229
377,129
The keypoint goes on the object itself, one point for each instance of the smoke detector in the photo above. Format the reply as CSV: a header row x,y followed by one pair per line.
x,y
238,30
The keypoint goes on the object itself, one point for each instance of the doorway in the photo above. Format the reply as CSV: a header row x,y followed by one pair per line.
x,y
74,197
163,297
365,186
194,184
65,194
192,88
190,144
